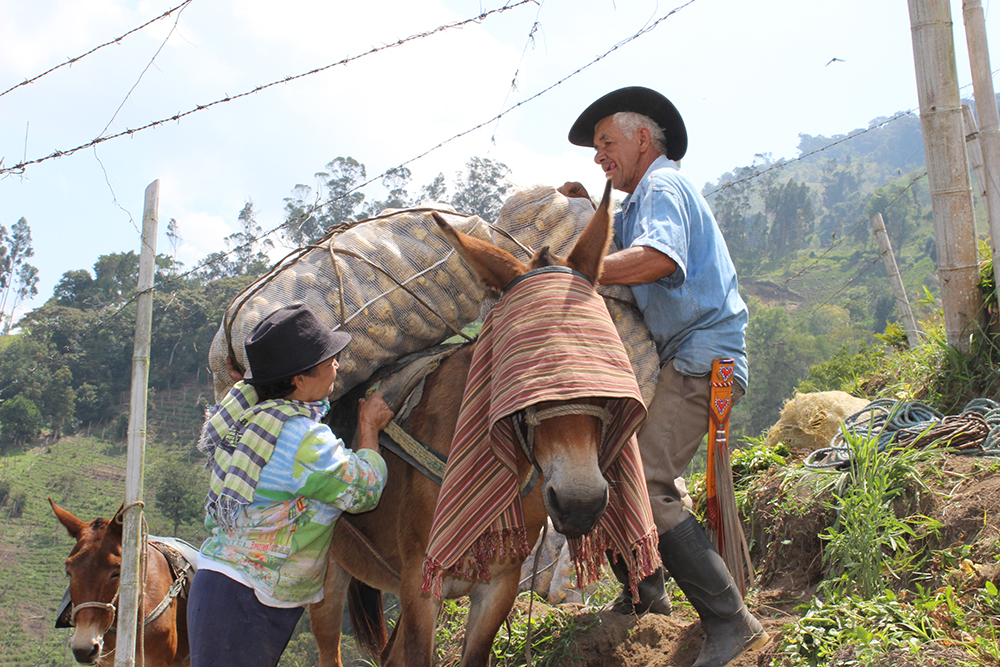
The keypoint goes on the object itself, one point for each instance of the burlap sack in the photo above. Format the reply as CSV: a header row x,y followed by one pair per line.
x,y
394,283
539,215
809,421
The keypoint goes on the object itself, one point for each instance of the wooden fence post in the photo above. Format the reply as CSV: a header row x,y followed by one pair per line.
x,y
902,303
130,582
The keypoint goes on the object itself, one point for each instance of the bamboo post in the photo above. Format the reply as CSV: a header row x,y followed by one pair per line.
x,y
130,582
902,303
989,118
947,167
974,148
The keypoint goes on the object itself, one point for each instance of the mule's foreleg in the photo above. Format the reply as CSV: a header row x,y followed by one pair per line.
x,y
413,638
490,603
327,616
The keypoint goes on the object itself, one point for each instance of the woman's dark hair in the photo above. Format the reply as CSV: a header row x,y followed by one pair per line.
x,y
276,389
283,387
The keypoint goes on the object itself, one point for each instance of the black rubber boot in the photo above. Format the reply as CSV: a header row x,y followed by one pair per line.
x,y
730,628
652,595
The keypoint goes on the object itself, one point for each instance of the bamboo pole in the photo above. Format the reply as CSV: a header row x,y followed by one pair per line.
x,y
902,303
130,582
974,148
947,167
989,118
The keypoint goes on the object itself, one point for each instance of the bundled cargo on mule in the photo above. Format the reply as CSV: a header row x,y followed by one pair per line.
x,y
392,282
398,287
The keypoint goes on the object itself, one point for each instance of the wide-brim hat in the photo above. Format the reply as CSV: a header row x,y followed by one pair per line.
x,y
640,100
289,341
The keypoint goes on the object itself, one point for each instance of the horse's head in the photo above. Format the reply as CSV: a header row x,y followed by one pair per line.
x,y
562,438
93,568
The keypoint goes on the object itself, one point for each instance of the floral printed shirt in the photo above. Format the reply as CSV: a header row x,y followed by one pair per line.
x,y
279,546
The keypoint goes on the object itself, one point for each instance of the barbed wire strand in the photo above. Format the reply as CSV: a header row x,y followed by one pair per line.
x,y
116,40
19,167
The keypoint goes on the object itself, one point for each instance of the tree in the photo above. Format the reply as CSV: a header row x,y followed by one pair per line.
x,y
58,400
789,210
246,254
337,203
481,189
20,420
434,191
18,279
180,491
395,182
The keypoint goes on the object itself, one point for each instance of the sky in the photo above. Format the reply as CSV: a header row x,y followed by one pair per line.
x,y
748,78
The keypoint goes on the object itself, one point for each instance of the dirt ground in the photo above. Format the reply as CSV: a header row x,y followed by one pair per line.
x,y
965,497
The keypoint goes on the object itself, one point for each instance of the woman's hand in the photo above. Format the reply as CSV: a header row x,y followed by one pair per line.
x,y
373,416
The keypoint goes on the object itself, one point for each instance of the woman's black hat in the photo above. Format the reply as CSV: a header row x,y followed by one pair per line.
x,y
289,341
640,100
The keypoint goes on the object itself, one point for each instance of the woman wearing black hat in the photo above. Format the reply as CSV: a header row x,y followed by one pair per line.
x,y
279,480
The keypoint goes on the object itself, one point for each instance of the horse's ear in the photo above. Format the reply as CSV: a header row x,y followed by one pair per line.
x,y
115,525
495,267
587,256
73,525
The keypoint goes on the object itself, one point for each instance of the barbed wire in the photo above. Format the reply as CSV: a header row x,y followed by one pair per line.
x,y
116,40
20,166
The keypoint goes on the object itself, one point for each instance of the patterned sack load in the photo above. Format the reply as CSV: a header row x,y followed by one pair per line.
x,y
540,215
393,282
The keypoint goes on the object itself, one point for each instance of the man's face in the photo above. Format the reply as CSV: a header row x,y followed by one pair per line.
x,y
619,156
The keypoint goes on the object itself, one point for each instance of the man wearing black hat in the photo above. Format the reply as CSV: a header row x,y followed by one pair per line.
x,y
279,480
676,261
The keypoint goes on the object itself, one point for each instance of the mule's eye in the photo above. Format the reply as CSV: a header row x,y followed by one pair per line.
x,y
116,574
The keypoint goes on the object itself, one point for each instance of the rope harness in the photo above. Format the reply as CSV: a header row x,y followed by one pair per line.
x,y
975,431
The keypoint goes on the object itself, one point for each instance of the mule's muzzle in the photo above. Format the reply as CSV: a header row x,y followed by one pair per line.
x,y
575,513
87,655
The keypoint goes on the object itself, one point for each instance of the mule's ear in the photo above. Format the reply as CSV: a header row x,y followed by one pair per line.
x,y
587,256
115,525
73,525
495,267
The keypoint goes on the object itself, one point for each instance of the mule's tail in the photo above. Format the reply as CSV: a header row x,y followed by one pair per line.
x,y
364,604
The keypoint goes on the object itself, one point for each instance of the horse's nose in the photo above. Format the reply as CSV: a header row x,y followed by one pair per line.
x,y
87,655
575,514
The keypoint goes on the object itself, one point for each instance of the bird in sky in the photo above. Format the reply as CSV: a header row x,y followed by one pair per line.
x,y
835,60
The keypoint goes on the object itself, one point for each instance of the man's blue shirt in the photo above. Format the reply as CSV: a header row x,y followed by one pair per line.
x,y
695,314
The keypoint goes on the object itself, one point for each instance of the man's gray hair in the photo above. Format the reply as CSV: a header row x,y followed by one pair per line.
x,y
630,122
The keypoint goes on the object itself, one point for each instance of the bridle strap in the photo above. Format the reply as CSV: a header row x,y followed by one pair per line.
x,y
532,417
106,606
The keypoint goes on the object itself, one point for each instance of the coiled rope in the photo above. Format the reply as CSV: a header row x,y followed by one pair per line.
x,y
975,431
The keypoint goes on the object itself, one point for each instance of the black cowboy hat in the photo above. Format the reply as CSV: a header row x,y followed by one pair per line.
x,y
289,341
640,100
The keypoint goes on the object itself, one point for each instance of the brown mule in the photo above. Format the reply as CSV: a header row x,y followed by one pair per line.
x,y
385,548
93,567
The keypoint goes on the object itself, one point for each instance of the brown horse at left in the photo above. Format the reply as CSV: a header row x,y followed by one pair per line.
x,y
93,568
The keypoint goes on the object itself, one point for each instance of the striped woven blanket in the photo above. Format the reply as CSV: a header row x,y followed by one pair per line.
x,y
549,338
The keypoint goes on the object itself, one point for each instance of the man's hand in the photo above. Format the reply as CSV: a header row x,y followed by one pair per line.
x,y
373,416
573,189
231,367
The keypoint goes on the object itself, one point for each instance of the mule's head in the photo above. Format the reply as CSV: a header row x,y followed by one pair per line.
x,y
93,568
567,440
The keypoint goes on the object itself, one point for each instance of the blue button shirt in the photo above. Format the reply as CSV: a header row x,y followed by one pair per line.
x,y
695,314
